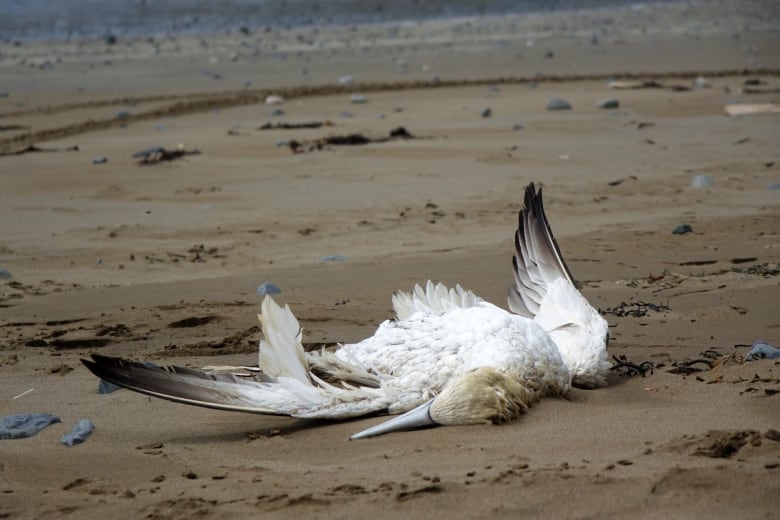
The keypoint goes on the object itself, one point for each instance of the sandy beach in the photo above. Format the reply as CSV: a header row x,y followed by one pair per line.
x,y
161,262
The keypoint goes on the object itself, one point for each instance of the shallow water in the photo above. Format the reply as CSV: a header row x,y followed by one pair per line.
x,y
46,19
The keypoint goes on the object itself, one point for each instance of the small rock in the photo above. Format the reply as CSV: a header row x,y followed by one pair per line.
x,y
358,98
333,258
762,350
100,160
345,80
122,114
517,126
274,100
487,113
79,433
702,181
5,274
558,104
607,103
682,229
701,82
110,39
277,112
268,288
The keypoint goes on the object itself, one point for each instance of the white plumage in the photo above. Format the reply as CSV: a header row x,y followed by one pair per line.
x,y
448,357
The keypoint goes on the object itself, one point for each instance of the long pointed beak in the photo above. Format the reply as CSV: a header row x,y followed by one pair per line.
x,y
419,417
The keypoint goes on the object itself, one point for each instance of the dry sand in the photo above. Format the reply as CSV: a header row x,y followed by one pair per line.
x,y
109,257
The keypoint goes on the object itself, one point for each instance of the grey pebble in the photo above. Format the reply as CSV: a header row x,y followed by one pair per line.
x,y
79,433
268,288
556,103
762,350
682,229
333,258
5,274
100,160
607,103
23,425
702,181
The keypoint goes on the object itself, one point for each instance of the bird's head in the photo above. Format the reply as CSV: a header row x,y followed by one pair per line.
x,y
480,396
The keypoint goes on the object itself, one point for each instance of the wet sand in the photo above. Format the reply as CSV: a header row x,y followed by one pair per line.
x,y
162,261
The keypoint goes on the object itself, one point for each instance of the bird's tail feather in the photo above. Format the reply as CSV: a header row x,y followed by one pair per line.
x,y
434,298
281,352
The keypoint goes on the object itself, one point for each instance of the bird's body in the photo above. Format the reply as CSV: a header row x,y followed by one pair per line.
x,y
415,358
448,357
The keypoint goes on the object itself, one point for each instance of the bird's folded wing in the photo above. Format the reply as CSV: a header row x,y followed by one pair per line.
x,y
538,261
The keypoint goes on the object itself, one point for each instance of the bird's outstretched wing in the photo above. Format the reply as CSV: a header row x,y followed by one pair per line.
x,y
537,261
285,386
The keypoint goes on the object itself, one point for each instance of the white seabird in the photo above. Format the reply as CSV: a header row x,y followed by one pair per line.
x,y
448,358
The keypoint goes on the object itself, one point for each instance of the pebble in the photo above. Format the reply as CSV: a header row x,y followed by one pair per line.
x,y
123,114
702,181
558,104
277,112
762,349
682,229
274,100
79,433
517,126
5,274
333,258
345,80
358,98
608,103
487,113
100,160
268,288
21,426
702,82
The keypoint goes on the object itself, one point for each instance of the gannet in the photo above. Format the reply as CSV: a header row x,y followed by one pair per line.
x,y
447,358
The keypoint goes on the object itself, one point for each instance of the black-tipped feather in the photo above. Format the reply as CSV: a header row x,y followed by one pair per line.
x,y
179,384
538,260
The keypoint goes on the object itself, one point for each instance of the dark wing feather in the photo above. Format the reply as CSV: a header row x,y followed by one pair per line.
x,y
538,260
179,384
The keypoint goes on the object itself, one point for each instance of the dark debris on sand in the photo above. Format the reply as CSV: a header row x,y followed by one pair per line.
x,y
634,309
347,140
158,154
624,367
